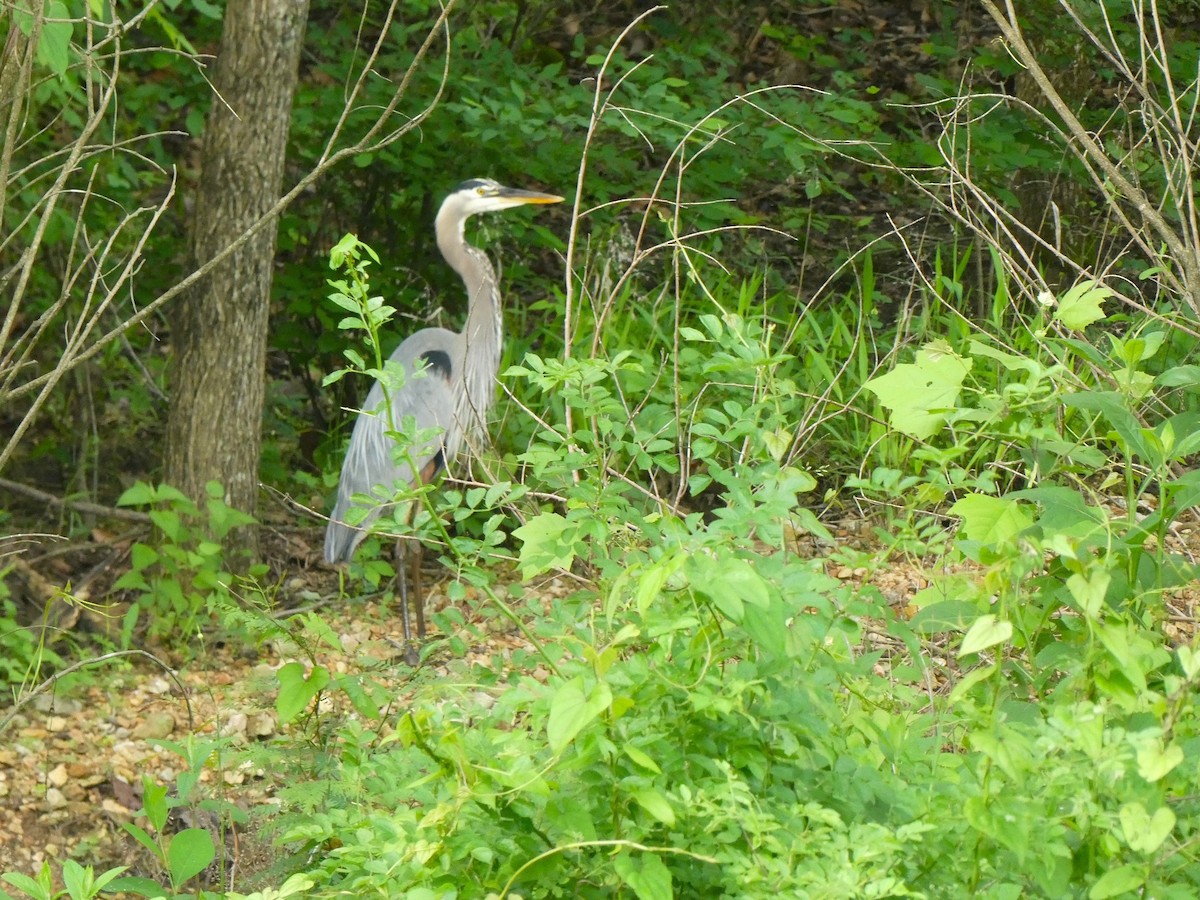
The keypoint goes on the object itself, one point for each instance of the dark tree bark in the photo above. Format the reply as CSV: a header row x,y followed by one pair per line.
x,y
220,333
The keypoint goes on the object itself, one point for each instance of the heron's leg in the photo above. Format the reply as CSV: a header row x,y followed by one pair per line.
x,y
416,552
410,652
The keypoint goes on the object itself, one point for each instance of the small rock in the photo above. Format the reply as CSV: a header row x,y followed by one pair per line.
x,y
67,706
262,725
56,724
55,799
236,723
156,725
116,810
57,776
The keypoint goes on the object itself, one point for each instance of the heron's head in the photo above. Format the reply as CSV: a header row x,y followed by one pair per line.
x,y
478,195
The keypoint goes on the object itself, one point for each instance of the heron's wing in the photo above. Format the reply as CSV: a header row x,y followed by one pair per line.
x,y
373,465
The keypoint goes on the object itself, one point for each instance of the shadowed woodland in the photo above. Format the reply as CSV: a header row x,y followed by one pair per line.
x,y
834,529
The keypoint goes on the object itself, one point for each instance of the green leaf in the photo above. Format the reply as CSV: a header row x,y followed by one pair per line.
x,y
733,582
108,876
986,632
1115,882
1156,761
1186,376
1145,833
76,879
140,835
29,886
1089,592
1189,661
1115,410
656,804
917,395
1008,360
191,850
547,542
297,690
154,803
646,876
974,677
990,520
1082,304
54,44
572,709
142,887
641,758
140,494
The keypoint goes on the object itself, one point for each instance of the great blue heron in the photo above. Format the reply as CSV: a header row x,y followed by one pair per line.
x,y
452,395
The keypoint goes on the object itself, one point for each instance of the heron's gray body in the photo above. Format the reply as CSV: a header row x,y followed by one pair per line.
x,y
449,379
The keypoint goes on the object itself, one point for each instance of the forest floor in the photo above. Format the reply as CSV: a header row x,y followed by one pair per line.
x,y
72,759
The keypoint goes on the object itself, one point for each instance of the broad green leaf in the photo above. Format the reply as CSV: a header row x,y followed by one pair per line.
x,y
54,42
734,582
990,520
1082,305
1189,661
297,690
1064,511
190,852
986,632
1143,832
1186,376
1089,591
776,442
140,887
1154,761
650,584
547,542
572,709
139,494
1115,882
917,395
657,805
646,875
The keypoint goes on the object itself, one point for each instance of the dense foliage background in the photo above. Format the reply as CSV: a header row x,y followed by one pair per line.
x,y
840,288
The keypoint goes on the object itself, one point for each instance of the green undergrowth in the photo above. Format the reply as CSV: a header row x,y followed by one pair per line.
x,y
705,712
710,714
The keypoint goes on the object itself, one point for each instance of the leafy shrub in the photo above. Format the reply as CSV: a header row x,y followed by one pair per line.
x,y
181,580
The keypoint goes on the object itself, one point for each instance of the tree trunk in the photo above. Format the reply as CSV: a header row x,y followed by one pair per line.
x,y
220,331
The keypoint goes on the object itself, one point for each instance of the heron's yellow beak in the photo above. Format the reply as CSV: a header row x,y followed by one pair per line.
x,y
516,195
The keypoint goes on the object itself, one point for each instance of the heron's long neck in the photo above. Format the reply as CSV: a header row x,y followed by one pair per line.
x,y
482,331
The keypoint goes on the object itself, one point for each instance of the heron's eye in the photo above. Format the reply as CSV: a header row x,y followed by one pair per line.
x,y
480,191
